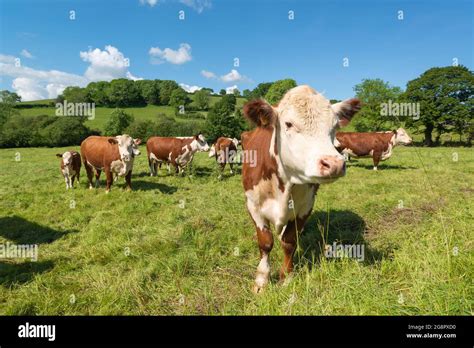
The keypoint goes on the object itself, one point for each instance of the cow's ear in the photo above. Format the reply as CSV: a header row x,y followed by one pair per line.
x,y
346,109
60,155
113,141
259,112
137,141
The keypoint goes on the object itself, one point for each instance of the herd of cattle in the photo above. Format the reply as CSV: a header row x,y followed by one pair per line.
x,y
297,149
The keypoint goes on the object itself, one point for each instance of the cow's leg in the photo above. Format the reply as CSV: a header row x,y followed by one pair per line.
x,y
110,178
128,180
90,174
231,165
97,177
151,164
72,180
221,168
376,157
288,242
265,244
66,180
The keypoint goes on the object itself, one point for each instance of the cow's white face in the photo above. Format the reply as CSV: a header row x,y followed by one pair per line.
x,y
402,137
305,130
67,158
199,143
127,146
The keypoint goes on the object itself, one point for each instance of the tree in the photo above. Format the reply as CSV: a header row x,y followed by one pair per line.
x,y
202,98
119,120
124,92
222,92
446,99
97,93
260,91
278,89
75,94
374,93
246,93
9,97
236,92
179,98
222,120
166,88
149,90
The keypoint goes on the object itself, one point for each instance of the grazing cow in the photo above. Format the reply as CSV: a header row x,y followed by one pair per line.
x,y
224,150
109,154
377,145
172,150
294,148
70,167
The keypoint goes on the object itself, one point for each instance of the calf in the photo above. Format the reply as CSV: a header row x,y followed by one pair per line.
x,y
377,145
70,167
109,154
295,154
223,150
172,150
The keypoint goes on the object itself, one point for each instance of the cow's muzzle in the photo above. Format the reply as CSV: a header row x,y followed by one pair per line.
x,y
332,167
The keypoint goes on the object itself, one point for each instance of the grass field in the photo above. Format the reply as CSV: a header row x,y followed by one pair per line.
x,y
102,114
186,245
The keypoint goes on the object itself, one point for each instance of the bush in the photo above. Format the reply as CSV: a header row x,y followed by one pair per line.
x,y
119,120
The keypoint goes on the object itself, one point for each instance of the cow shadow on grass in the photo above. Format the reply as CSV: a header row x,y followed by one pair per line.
x,y
340,227
21,231
380,166
141,185
19,273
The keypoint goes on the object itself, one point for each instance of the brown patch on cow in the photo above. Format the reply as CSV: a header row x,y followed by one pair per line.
x,y
162,147
259,141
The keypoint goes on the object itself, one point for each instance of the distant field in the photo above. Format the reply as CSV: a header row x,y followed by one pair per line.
x,y
102,114
186,245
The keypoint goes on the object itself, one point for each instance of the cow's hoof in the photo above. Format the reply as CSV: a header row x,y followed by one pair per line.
x,y
107,191
257,289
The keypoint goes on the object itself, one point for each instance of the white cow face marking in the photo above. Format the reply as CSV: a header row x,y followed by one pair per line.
x,y
67,158
128,147
199,143
305,128
402,137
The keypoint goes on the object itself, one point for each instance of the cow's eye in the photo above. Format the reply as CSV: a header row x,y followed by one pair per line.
x,y
288,124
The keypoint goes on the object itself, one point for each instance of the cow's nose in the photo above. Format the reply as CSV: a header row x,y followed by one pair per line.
x,y
332,166
126,158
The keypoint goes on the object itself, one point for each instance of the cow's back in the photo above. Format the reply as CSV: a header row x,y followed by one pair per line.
x,y
98,152
162,147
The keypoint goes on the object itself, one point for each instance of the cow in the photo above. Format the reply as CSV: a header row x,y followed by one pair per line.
x,y
70,167
295,153
224,150
244,135
109,154
378,145
178,152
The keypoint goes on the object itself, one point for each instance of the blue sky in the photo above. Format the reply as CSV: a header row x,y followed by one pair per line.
x,y
310,48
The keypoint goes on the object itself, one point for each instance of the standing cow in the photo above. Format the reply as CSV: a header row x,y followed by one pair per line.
x,y
378,145
224,150
109,154
295,154
70,167
178,152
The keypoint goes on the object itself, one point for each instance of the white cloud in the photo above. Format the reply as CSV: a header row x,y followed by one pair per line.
x,y
25,53
189,89
32,84
198,5
105,65
149,2
234,76
129,76
179,56
230,90
208,74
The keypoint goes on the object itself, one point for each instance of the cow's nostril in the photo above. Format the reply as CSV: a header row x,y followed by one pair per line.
x,y
325,164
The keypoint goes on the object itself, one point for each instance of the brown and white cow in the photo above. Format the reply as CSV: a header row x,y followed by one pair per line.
x,y
224,150
378,145
295,154
111,155
70,167
177,151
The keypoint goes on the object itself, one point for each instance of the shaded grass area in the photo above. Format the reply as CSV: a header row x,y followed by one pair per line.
x,y
185,245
